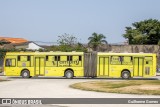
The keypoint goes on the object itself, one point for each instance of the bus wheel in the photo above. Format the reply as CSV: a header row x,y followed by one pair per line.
x,y
69,74
125,74
25,74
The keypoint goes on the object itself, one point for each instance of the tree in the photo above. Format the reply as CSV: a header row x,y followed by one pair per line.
x,y
69,43
143,32
96,40
67,39
80,48
66,42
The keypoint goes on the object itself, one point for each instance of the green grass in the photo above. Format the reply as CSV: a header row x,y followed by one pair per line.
x,y
147,87
117,85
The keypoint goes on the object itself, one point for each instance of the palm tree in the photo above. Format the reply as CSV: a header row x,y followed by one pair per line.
x,y
96,40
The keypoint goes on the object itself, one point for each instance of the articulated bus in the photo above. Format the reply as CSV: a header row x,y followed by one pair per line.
x,y
79,64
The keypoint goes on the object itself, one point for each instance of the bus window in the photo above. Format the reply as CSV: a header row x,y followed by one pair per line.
x,y
46,58
116,60
76,61
80,58
148,58
127,60
51,58
63,61
11,62
69,58
19,58
51,61
24,61
148,62
28,58
57,58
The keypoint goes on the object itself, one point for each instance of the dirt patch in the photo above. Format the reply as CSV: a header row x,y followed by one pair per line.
x,y
142,87
149,87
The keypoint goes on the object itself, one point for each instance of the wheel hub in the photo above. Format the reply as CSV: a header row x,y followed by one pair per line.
x,y
25,74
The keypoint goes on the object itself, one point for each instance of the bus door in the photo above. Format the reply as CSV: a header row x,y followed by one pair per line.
x,y
39,65
138,66
104,66
148,66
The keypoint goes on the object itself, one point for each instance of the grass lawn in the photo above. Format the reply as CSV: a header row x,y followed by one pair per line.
x,y
147,87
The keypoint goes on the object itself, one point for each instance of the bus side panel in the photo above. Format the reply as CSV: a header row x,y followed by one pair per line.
x,y
63,64
54,71
16,71
59,71
20,69
116,70
106,69
78,71
154,69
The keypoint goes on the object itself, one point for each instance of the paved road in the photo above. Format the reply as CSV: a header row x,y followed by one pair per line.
x,y
58,88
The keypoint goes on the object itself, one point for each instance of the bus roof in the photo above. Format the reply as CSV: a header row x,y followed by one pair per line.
x,y
44,53
104,53
72,53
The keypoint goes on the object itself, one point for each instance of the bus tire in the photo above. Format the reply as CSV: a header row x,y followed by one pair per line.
x,y
25,74
68,74
125,74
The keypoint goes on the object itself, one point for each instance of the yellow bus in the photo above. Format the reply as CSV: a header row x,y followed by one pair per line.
x,y
126,65
28,64
79,64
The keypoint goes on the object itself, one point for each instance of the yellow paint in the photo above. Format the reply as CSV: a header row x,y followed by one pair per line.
x,y
56,63
103,70
139,64
43,63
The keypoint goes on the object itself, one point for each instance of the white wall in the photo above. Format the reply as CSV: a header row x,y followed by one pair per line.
x,y
33,46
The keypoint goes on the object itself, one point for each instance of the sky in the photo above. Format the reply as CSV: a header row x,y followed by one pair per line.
x,y
45,20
